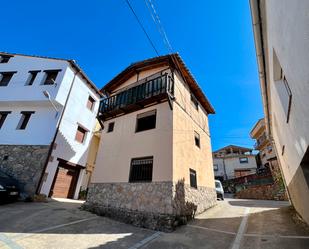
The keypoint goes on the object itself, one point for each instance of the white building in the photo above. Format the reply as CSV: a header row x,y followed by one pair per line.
x,y
281,29
233,161
48,110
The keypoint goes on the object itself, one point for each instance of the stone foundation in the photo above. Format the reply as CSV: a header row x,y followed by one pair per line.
x,y
156,205
25,163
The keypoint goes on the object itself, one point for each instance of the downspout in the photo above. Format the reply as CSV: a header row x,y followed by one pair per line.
x,y
55,135
259,47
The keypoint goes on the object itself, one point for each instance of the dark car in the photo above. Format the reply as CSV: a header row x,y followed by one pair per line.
x,y
9,188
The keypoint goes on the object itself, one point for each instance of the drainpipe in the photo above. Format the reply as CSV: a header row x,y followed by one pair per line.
x,y
259,46
38,190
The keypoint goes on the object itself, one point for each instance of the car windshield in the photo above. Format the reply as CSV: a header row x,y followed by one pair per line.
x,y
218,185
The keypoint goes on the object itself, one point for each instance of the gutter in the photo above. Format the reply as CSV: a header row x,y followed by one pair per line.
x,y
255,7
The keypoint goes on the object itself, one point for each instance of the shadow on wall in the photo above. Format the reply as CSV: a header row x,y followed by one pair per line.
x,y
183,209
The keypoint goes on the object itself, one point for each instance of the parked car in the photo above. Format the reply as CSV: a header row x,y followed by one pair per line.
x,y
9,188
219,190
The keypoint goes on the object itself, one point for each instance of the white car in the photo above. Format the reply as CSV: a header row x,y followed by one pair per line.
x,y
219,190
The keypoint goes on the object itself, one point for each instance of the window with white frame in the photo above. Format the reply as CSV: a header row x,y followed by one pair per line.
x,y
282,87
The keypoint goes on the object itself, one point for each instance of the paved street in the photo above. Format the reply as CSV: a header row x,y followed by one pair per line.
x,y
231,224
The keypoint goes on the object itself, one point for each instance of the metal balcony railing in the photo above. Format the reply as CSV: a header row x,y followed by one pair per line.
x,y
136,97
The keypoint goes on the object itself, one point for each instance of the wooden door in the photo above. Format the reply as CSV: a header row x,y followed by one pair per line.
x,y
65,182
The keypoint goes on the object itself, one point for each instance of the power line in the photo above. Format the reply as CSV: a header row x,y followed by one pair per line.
x,y
155,17
141,25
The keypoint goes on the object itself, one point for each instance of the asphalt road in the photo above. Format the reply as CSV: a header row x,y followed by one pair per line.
x,y
232,224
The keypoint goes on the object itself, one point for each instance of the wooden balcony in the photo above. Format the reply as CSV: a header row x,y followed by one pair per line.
x,y
135,98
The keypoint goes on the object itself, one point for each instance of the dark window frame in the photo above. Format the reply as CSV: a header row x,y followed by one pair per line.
x,y
193,178
83,130
48,80
92,102
141,174
194,101
5,58
24,120
140,127
110,127
197,139
242,161
33,75
3,116
6,83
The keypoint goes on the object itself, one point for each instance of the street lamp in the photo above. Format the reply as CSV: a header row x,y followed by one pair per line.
x,y
47,95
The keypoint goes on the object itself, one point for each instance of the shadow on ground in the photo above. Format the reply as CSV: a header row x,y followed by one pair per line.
x,y
25,224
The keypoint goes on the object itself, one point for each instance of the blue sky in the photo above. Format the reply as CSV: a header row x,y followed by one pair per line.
x,y
213,37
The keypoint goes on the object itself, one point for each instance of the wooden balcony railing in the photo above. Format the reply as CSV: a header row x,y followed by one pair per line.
x,y
135,98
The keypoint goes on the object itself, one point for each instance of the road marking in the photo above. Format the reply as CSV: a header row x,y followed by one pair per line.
x,y
52,228
241,230
8,242
212,229
145,241
276,236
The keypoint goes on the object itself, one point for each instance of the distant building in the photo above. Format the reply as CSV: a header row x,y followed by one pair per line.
x,y
281,40
267,153
48,110
233,161
154,162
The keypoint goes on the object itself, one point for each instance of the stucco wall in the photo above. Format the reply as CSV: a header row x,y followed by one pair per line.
x,y
292,49
186,121
117,148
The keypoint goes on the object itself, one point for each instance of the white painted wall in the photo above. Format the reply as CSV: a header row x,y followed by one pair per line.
x,y
285,32
17,97
232,163
17,91
75,113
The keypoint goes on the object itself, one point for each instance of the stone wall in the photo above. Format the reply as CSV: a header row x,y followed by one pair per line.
x,y
188,200
25,163
263,192
155,205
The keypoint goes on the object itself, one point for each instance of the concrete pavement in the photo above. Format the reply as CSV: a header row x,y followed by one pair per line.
x,y
231,224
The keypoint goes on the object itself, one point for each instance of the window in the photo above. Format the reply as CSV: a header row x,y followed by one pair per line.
x,y
282,87
216,167
3,116
197,139
90,103
5,78
243,159
110,127
193,182
141,169
51,76
80,134
25,116
5,58
194,101
146,121
32,77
